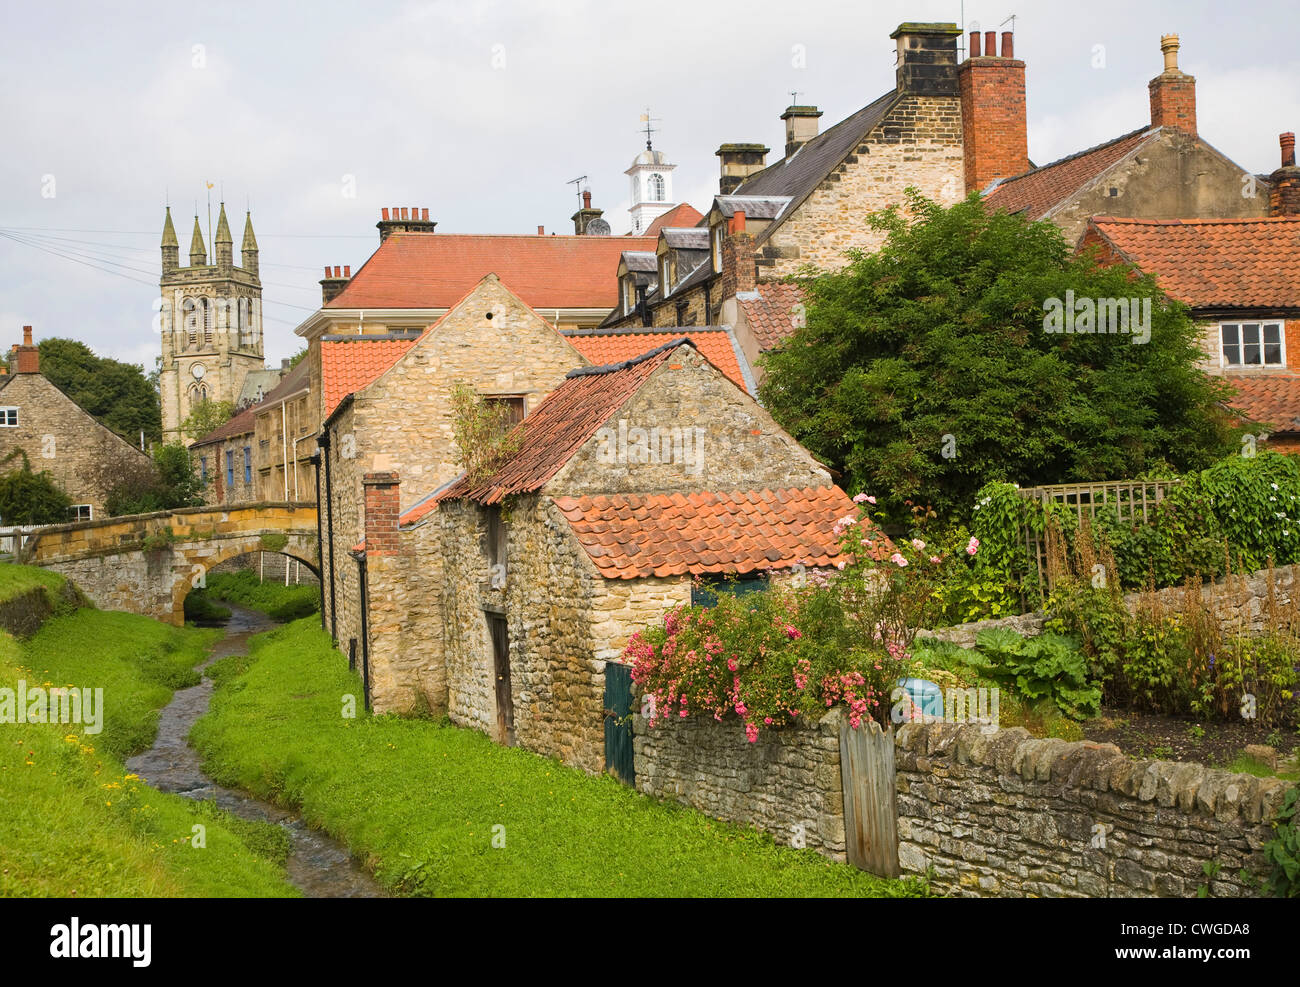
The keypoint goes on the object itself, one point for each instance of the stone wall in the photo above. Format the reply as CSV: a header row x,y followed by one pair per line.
x,y
786,783
1005,815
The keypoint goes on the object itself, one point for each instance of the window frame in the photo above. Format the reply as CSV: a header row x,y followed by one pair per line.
x,y
717,249
1261,346
230,468
248,465
6,412
76,512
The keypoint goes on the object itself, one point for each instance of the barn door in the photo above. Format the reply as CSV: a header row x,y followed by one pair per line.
x,y
618,722
501,672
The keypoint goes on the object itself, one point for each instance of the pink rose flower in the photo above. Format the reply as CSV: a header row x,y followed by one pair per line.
x,y
751,732
859,498
918,544
972,546
898,560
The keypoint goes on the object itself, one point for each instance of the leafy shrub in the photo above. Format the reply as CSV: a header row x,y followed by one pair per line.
x,y
200,609
1283,851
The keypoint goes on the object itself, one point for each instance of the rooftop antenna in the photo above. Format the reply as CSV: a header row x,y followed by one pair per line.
x,y
578,182
647,119
1012,19
794,97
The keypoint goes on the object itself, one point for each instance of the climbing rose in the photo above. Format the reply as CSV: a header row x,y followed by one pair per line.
x,y
918,544
751,732
859,498
972,546
898,560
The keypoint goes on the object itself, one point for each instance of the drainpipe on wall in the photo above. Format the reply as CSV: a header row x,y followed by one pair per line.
x,y
324,441
365,634
320,545
284,443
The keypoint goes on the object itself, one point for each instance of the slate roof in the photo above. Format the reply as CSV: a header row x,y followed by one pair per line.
x,y
436,270
629,536
640,261
692,238
683,215
1271,399
716,343
570,415
753,206
1041,190
1213,263
770,312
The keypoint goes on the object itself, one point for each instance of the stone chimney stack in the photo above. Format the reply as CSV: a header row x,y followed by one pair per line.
x,y
738,162
1284,199
927,59
334,282
404,220
993,117
584,217
1173,92
800,126
27,357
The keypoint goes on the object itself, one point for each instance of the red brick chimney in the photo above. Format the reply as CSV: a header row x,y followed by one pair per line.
x,y
739,270
404,220
1173,92
334,282
382,493
27,357
1284,199
993,122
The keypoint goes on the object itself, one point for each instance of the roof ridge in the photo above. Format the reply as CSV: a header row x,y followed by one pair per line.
x,y
1077,154
610,368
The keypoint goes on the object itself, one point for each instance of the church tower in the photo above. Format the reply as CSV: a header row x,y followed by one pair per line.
x,y
210,319
652,184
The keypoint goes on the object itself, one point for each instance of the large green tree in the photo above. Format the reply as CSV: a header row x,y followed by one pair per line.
x,y
120,395
925,369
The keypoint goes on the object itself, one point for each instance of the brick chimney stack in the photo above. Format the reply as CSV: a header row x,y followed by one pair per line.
x,y
404,220
993,117
584,217
739,265
1173,92
334,282
27,357
1284,199
382,494
738,162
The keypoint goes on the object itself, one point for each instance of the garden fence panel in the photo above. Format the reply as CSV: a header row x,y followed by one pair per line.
x,y
868,778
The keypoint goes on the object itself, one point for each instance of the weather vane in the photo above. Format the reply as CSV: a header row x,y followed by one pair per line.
x,y
647,119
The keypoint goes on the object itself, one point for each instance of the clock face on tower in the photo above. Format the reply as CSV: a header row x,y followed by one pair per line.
x,y
198,370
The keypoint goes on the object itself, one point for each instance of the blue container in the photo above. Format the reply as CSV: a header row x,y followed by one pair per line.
x,y
925,694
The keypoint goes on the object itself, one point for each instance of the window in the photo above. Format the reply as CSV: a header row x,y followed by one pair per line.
x,y
681,313
717,248
655,186
203,468
629,294
514,404
207,322
663,276
82,512
8,417
230,468
705,591
1252,344
248,464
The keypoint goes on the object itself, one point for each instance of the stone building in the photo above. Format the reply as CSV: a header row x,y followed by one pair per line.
x,y
210,320
1241,279
1161,170
86,459
390,410
632,480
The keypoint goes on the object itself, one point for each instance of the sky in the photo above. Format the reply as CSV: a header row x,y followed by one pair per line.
x,y
317,115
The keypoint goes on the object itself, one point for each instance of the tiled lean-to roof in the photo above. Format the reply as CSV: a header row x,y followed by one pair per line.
x,y
631,536
770,311
1270,399
608,346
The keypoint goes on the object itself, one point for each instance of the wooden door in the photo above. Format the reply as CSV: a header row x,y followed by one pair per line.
x,y
501,670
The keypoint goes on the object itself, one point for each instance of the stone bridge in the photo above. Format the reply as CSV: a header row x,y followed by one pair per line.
x,y
148,563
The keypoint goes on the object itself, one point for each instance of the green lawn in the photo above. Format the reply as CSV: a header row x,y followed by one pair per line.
x,y
72,821
421,802
17,579
270,597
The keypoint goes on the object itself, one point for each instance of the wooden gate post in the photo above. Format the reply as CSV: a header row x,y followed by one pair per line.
x,y
870,797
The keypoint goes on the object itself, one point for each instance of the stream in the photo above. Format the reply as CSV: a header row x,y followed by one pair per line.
x,y
318,865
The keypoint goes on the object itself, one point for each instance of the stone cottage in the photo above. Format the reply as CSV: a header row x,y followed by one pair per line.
x,y
389,410
85,458
632,481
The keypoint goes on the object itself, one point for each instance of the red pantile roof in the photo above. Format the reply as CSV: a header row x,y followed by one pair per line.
x,y
771,312
435,270
346,367
1212,263
683,215
630,536
569,416
617,346
1272,400
1041,190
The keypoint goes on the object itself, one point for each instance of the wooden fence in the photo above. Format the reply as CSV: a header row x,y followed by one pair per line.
x,y
868,779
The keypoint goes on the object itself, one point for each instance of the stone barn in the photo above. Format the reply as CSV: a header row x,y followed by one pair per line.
x,y
632,482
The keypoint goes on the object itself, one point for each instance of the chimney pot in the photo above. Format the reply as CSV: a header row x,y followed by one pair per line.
x,y
327,270
424,215
384,214
586,198
991,44
27,335
541,231
1008,50
1287,141
1169,47
975,44
738,221
405,214
347,270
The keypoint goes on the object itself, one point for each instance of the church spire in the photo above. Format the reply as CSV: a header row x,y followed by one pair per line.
x,y
248,249
171,249
224,244
198,250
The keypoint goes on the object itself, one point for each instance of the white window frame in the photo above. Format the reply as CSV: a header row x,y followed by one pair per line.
x,y
717,249
76,512
7,412
1263,324
664,287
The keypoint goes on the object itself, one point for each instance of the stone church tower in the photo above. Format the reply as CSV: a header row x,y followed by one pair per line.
x,y
211,321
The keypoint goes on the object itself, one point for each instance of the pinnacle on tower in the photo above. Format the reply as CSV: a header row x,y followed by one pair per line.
x,y
224,243
198,249
171,249
248,249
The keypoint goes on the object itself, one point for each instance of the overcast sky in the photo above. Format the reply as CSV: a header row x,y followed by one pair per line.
x,y
481,111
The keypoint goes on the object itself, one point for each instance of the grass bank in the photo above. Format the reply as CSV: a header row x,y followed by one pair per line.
x,y
271,598
423,802
73,821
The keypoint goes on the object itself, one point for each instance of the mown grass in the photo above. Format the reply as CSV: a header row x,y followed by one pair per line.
x,y
73,822
421,801
18,579
271,598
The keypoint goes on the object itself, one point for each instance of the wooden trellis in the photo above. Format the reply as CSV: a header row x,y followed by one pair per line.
x,y
1130,498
